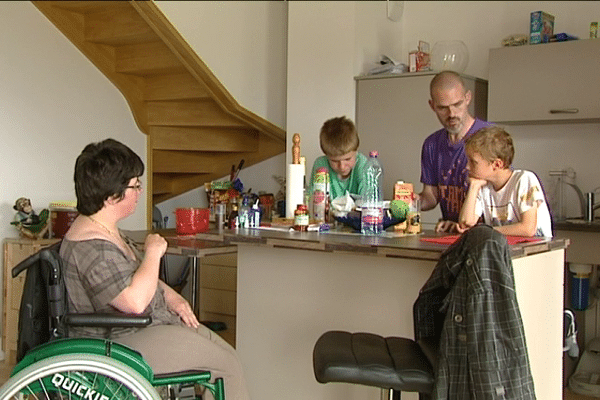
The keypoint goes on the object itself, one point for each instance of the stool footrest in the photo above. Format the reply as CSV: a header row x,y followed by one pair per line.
x,y
368,359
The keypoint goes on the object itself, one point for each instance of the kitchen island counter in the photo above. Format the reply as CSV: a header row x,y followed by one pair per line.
x,y
294,286
390,244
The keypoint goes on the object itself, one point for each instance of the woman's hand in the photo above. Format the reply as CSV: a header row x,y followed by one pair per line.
x,y
136,297
179,305
155,245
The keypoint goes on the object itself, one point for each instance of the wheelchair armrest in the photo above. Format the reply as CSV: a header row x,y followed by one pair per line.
x,y
108,320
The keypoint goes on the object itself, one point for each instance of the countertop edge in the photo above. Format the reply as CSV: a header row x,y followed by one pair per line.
x,y
408,246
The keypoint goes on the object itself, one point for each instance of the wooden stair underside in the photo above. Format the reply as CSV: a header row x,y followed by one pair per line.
x,y
196,130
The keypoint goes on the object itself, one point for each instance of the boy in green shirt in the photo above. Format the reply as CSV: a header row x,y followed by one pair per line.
x,y
346,166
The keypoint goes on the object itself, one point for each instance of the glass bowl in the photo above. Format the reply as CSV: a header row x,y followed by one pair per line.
x,y
452,55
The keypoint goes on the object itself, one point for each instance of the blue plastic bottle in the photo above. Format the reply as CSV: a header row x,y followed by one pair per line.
x,y
244,213
372,206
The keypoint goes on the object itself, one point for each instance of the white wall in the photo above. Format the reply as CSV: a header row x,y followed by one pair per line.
x,y
328,44
300,78
290,62
482,26
308,67
53,103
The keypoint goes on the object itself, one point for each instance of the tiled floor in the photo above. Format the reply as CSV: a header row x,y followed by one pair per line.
x,y
5,369
568,395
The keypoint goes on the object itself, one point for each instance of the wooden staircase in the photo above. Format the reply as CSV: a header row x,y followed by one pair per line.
x,y
196,130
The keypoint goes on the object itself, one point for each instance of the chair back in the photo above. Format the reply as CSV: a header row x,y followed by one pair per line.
x,y
44,303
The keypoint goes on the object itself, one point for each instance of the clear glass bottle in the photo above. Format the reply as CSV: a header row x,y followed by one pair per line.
x,y
372,200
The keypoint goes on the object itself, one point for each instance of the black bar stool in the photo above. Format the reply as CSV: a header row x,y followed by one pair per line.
x,y
393,364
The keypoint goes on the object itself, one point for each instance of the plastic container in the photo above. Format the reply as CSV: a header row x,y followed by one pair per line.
x,y
372,200
580,285
220,209
320,195
255,215
189,221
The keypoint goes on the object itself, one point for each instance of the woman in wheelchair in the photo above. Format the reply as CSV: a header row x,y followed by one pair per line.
x,y
103,273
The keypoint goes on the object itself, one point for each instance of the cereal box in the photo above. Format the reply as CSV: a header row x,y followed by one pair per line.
x,y
541,27
403,191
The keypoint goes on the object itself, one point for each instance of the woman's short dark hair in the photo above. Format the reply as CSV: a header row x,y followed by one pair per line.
x,y
103,170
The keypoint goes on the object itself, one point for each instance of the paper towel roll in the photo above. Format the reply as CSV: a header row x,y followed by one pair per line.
x,y
294,188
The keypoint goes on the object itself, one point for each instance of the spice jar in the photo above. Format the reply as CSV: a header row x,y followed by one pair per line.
x,y
301,218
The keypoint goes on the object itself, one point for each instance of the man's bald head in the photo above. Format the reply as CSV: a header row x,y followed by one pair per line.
x,y
446,80
450,101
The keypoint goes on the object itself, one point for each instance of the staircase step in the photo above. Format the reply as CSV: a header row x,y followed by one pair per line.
x,y
174,96
147,59
86,7
118,26
177,184
188,162
174,87
204,139
162,184
189,113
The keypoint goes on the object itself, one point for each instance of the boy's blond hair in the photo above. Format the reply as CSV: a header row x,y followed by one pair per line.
x,y
338,137
492,143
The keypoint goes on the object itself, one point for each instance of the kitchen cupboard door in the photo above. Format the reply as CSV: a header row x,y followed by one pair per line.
x,y
218,292
552,82
393,117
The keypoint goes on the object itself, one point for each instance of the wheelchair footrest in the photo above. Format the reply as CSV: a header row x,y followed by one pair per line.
x,y
215,326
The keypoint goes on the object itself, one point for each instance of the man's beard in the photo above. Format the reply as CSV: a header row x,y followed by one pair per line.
x,y
456,127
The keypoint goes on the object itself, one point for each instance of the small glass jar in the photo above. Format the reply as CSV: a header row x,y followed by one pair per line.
x,y
301,218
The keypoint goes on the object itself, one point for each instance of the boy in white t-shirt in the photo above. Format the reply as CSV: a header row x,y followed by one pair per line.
x,y
510,200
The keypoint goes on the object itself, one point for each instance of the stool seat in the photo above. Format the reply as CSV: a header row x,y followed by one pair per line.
x,y
368,359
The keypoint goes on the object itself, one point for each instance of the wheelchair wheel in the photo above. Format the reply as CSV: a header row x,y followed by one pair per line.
x,y
78,377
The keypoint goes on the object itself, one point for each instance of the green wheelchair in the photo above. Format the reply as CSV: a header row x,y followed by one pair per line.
x,y
53,367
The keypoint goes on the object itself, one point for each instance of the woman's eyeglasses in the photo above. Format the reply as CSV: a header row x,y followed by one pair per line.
x,y
137,186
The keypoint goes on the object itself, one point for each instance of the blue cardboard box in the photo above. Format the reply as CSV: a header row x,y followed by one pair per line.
x,y
541,27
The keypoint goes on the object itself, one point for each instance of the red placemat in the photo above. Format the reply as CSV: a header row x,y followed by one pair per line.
x,y
452,238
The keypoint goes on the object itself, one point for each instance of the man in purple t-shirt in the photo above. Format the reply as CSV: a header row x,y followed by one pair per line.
x,y
443,159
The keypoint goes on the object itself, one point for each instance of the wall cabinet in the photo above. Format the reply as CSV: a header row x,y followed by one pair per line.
x,y
552,82
15,251
393,116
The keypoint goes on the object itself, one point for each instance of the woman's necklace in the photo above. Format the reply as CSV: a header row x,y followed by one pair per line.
x,y
113,234
121,242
